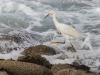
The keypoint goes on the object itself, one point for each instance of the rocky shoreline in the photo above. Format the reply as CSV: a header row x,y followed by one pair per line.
x,y
32,63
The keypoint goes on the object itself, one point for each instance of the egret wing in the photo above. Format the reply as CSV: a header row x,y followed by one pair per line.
x,y
68,30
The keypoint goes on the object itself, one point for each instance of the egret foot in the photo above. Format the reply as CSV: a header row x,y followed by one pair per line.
x,y
57,42
54,42
71,48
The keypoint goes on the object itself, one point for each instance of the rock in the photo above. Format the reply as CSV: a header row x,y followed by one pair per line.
x,y
23,68
72,49
7,42
39,49
71,72
69,48
74,68
37,59
3,73
8,38
93,74
82,67
59,67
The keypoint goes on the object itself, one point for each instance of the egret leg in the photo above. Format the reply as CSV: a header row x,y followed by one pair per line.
x,y
72,47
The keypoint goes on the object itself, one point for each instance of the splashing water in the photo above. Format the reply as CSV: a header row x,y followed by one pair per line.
x,y
22,25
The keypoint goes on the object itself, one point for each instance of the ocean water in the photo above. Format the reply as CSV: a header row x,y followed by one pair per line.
x,y
24,19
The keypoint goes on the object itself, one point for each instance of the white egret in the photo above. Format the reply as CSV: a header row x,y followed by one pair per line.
x,y
66,30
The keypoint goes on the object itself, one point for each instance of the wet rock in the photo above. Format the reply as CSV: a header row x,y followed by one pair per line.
x,y
8,41
16,39
82,67
39,49
37,59
8,37
23,68
76,68
69,48
59,67
72,49
93,74
3,73
71,72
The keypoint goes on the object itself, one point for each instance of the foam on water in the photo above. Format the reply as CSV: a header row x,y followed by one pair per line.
x,y
24,20
12,55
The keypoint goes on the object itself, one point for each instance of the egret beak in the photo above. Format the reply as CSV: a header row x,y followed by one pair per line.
x,y
46,16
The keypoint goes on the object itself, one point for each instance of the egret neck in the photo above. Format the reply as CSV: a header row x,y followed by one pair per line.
x,y
55,21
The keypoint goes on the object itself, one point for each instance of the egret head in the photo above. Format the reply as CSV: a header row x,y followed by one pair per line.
x,y
51,13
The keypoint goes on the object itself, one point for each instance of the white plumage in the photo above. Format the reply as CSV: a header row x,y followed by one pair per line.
x,y
66,30
69,32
